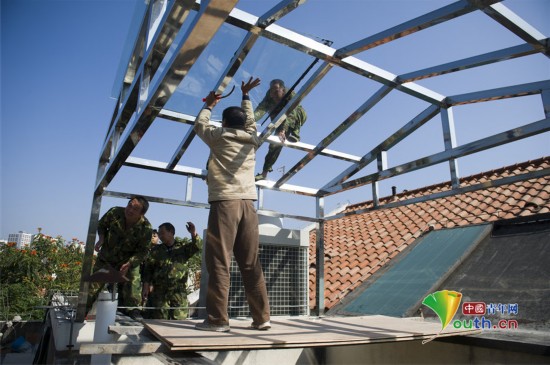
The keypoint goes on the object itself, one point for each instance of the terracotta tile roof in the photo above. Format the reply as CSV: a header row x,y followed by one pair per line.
x,y
357,245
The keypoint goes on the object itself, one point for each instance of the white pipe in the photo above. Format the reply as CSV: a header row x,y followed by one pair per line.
x,y
105,316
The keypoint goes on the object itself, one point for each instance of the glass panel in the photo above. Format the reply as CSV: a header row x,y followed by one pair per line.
x,y
267,60
157,11
140,10
343,90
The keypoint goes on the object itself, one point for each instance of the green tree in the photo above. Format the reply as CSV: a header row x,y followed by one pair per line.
x,y
29,275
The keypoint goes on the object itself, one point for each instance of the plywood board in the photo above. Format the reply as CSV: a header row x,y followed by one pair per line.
x,y
297,332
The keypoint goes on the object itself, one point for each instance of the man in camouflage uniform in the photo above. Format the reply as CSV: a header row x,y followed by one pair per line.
x,y
154,241
166,271
154,238
289,129
124,242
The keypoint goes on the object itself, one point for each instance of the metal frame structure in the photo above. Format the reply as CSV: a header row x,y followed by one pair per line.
x,y
154,72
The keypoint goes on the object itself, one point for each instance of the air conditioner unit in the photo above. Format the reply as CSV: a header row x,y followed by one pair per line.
x,y
284,255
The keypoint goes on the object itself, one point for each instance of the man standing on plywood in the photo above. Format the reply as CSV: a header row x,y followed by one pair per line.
x,y
233,221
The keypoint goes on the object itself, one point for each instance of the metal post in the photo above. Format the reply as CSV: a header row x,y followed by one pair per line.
x,y
114,141
382,163
189,190
320,258
88,255
449,137
260,198
545,95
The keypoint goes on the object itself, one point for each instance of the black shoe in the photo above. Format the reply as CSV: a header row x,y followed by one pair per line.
x,y
135,314
259,177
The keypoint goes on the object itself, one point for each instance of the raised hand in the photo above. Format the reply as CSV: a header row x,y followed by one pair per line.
x,y
250,84
212,99
191,228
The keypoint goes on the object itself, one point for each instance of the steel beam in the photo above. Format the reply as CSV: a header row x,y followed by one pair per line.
x,y
470,62
163,167
532,88
194,172
449,140
156,199
381,164
88,256
208,20
518,26
320,257
190,120
435,17
397,137
270,213
345,125
326,53
545,96
278,11
482,144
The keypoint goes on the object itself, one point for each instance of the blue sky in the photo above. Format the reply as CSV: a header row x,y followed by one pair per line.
x,y
59,61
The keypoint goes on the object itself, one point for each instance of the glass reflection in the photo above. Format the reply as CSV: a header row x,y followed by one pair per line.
x,y
267,60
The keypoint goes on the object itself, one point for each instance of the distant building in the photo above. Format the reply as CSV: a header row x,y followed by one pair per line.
x,y
21,239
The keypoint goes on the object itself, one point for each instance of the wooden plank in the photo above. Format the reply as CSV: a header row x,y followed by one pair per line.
x,y
127,330
297,332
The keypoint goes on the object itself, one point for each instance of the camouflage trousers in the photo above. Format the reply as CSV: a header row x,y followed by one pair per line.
x,y
292,135
129,293
164,299
272,155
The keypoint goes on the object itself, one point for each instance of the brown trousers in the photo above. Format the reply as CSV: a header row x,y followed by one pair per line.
x,y
233,227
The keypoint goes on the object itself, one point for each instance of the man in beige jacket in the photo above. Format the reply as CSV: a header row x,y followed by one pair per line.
x,y
232,221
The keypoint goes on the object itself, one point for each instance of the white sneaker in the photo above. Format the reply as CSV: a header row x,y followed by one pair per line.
x,y
261,327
